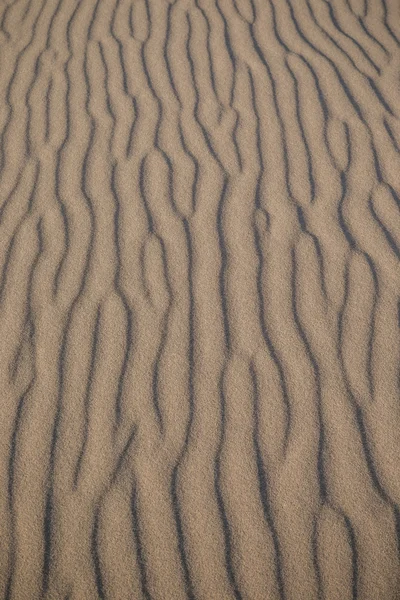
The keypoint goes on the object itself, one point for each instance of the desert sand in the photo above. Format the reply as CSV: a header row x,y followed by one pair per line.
x,y
200,299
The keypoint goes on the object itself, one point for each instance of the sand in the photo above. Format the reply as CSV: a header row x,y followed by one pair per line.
x,y
200,299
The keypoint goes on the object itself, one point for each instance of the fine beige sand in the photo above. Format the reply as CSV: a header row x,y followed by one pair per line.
x,y
200,299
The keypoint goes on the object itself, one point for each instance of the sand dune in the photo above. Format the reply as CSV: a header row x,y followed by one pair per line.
x,y
200,299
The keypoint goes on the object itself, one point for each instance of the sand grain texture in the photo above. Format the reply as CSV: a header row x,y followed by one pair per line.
x,y
200,299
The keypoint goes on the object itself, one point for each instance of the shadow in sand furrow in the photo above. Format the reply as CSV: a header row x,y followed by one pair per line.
x,y
95,343
222,510
141,557
353,547
317,377
264,487
18,425
95,555
191,399
122,295
269,345
261,265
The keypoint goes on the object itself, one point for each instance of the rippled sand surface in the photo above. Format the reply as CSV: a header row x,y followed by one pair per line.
x,y
200,299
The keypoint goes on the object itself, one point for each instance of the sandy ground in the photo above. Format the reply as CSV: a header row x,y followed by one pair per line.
x,y
200,299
